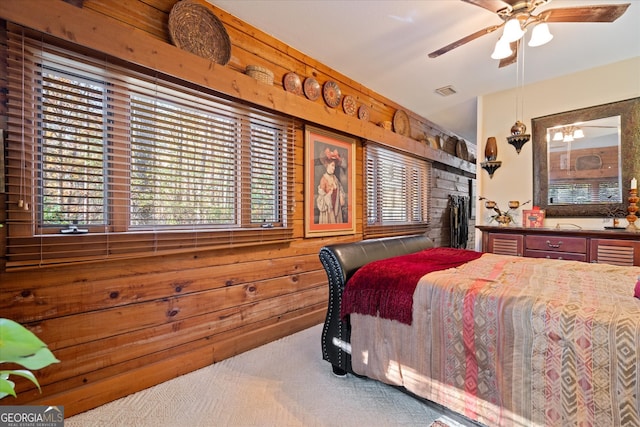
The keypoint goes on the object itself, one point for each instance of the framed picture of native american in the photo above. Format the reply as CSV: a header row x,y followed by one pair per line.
x,y
329,199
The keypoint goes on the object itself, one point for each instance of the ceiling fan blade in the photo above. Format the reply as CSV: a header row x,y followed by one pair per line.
x,y
464,40
596,13
491,5
505,8
511,59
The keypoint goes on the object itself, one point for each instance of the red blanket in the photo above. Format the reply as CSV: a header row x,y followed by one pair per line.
x,y
385,287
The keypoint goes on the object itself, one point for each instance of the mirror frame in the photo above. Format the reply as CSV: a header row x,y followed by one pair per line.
x,y
629,112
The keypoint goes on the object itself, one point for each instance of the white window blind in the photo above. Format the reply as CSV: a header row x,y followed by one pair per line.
x,y
136,162
588,191
397,191
70,125
183,165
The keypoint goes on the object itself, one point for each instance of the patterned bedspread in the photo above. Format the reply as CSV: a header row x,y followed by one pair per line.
x,y
514,341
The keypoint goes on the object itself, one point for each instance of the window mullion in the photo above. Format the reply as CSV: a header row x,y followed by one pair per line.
x,y
243,174
118,164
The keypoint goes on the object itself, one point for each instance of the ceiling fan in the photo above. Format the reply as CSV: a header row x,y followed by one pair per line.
x,y
517,15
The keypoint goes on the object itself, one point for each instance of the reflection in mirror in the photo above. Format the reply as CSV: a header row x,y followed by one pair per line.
x,y
584,162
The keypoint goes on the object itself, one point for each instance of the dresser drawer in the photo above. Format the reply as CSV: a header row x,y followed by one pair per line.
x,y
617,252
577,245
601,246
571,256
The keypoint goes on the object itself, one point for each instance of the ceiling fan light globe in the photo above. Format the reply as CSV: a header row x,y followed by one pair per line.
x,y
512,30
502,49
578,133
540,35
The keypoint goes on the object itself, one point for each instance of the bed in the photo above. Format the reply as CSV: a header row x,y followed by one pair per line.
x,y
501,340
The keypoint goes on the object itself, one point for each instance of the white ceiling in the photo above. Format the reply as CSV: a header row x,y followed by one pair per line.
x,y
384,45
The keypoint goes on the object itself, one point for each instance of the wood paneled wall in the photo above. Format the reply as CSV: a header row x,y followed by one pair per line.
x,y
593,163
121,326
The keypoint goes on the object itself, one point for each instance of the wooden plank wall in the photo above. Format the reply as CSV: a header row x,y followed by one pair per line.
x,y
586,163
121,326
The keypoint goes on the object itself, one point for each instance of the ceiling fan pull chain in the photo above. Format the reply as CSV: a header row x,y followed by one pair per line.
x,y
522,83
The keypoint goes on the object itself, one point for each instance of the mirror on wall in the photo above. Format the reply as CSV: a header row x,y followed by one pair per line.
x,y
583,160
584,163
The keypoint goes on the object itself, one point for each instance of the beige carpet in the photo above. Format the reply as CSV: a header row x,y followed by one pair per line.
x,y
284,383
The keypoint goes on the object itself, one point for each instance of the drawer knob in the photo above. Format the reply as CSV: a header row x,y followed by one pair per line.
x,y
554,246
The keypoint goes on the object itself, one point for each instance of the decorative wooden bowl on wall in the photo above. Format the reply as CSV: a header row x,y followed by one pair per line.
x,y
401,123
196,29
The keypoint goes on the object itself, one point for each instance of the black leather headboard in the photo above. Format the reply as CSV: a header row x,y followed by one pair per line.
x,y
340,262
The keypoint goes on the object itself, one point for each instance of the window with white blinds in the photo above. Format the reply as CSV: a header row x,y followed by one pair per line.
x,y
587,191
397,191
133,162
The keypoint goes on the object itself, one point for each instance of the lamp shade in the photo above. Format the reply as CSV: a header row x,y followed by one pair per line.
x,y
512,30
540,35
578,133
558,135
502,49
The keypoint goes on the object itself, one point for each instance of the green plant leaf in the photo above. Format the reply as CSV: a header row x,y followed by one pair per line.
x,y
6,387
16,341
22,373
39,360
19,345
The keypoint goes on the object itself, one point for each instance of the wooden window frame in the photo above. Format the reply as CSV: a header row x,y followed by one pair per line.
x,y
412,215
30,245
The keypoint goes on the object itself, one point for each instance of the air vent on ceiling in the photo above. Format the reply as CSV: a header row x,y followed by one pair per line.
x,y
446,90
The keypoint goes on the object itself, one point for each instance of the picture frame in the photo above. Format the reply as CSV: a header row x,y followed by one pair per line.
x,y
329,183
533,218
